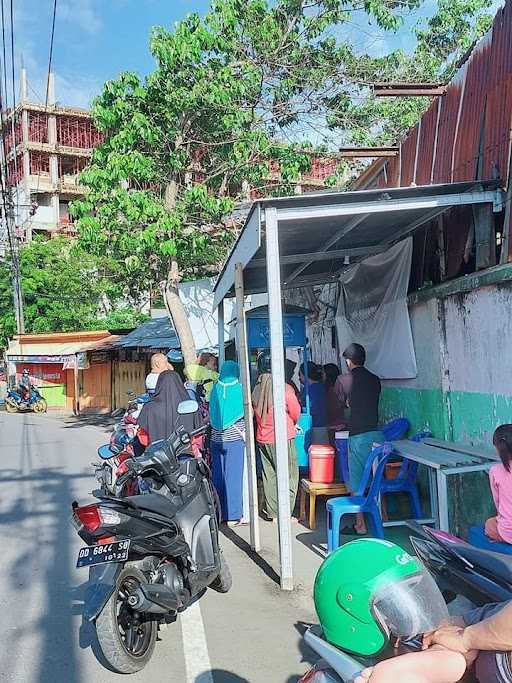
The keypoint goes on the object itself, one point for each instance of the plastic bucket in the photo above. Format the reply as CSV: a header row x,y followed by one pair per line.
x,y
321,464
341,441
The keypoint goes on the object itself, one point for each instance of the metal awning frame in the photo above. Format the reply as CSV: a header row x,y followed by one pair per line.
x,y
272,214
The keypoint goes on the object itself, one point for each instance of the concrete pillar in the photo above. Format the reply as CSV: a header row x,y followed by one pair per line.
x,y
23,85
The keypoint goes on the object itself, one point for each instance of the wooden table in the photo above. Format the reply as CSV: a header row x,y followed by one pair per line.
x,y
308,488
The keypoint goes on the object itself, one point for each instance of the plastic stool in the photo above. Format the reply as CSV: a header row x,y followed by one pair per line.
x,y
478,538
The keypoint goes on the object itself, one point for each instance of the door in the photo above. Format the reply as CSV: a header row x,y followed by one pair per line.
x,y
96,388
128,376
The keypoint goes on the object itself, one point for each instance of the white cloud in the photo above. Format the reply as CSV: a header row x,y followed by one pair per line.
x,y
76,90
82,13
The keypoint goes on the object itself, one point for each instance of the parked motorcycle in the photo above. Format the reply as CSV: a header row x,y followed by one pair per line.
x,y
122,446
374,601
15,403
150,555
458,568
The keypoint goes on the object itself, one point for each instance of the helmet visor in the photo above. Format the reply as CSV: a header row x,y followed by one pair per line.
x,y
410,607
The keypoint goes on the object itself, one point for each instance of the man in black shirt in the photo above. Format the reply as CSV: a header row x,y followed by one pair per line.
x,y
360,391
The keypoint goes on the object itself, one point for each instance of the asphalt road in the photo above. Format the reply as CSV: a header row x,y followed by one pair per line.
x,y
250,635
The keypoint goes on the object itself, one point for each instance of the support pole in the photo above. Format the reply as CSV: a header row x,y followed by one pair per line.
x,y
250,449
220,330
275,311
76,386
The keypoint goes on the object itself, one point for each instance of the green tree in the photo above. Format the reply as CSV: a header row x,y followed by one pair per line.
x,y
233,97
64,289
441,43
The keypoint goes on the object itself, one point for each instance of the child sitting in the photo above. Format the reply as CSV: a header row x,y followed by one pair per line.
x,y
499,528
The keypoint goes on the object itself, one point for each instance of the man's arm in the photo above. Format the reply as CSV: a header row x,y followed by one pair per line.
x,y
342,388
494,633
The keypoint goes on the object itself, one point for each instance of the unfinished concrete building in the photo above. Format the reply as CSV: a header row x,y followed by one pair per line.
x,y
47,147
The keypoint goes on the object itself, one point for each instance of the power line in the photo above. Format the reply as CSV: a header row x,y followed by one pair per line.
x,y
5,186
48,76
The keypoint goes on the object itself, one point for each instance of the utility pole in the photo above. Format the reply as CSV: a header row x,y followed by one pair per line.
x,y
9,215
17,295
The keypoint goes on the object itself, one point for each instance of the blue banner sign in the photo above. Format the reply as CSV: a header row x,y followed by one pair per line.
x,y
294,332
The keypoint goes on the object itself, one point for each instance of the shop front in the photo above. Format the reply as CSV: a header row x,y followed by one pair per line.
x,y
72,370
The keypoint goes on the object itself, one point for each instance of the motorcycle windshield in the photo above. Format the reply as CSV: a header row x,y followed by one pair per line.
x,y
411,606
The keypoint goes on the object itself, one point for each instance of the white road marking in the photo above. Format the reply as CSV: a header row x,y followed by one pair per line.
x,y
195,648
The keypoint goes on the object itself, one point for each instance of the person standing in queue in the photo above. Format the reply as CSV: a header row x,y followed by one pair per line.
x,y
359,390
317,393
262,399
227,442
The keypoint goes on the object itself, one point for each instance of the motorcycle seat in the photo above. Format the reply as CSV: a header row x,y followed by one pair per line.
x,y
497,564
154,502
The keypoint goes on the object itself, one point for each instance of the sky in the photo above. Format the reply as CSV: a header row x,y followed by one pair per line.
x,y
97,39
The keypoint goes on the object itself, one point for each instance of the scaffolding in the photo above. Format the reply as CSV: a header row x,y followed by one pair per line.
x,y
39,163
18,132
37,127
74,131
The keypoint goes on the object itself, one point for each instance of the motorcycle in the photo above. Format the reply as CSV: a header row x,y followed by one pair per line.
x,y
122,446
458,568
15,403
150,556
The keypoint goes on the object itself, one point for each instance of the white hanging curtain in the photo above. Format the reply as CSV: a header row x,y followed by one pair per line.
x,y
372,311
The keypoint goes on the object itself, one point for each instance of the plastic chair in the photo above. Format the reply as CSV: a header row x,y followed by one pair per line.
x,y
405,481
478,538
361,502
396,429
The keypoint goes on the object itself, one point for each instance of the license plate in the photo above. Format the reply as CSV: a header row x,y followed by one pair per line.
x,y
100,554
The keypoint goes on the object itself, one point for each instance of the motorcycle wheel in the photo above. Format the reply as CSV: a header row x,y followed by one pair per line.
x,y
126,641
40,406
11,407
224,580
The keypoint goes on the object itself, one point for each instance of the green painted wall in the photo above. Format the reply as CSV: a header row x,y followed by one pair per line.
x,y
422,407
474,415
55,395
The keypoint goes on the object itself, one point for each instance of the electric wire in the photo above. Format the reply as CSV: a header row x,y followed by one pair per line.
x,y
48,76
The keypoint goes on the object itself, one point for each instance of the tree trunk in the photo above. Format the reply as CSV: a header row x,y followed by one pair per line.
x,y
171,294
178,314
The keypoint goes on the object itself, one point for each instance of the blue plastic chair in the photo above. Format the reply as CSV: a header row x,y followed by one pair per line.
x,y
396,429
405,481
361,502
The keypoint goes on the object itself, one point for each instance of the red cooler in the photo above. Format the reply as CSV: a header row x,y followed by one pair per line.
x,y
321,464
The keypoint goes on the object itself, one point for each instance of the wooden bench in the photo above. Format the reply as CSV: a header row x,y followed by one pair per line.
x,y
308,488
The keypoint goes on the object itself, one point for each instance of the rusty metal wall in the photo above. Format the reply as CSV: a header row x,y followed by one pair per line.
x,y
427,144
478,101
408,156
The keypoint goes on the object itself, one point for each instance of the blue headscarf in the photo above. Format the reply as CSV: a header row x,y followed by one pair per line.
x,y
226,400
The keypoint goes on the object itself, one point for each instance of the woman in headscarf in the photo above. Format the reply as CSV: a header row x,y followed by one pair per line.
x,y
227,442
262,399
159,418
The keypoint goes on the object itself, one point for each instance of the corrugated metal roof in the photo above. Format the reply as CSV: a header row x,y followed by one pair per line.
x,y
322,234
153,334
18,347
478,101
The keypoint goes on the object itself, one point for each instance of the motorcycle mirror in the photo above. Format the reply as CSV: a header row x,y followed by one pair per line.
x,y
105,452
188,407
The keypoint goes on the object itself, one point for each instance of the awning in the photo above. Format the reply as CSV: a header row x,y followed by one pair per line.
x,y
54,352
321,234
